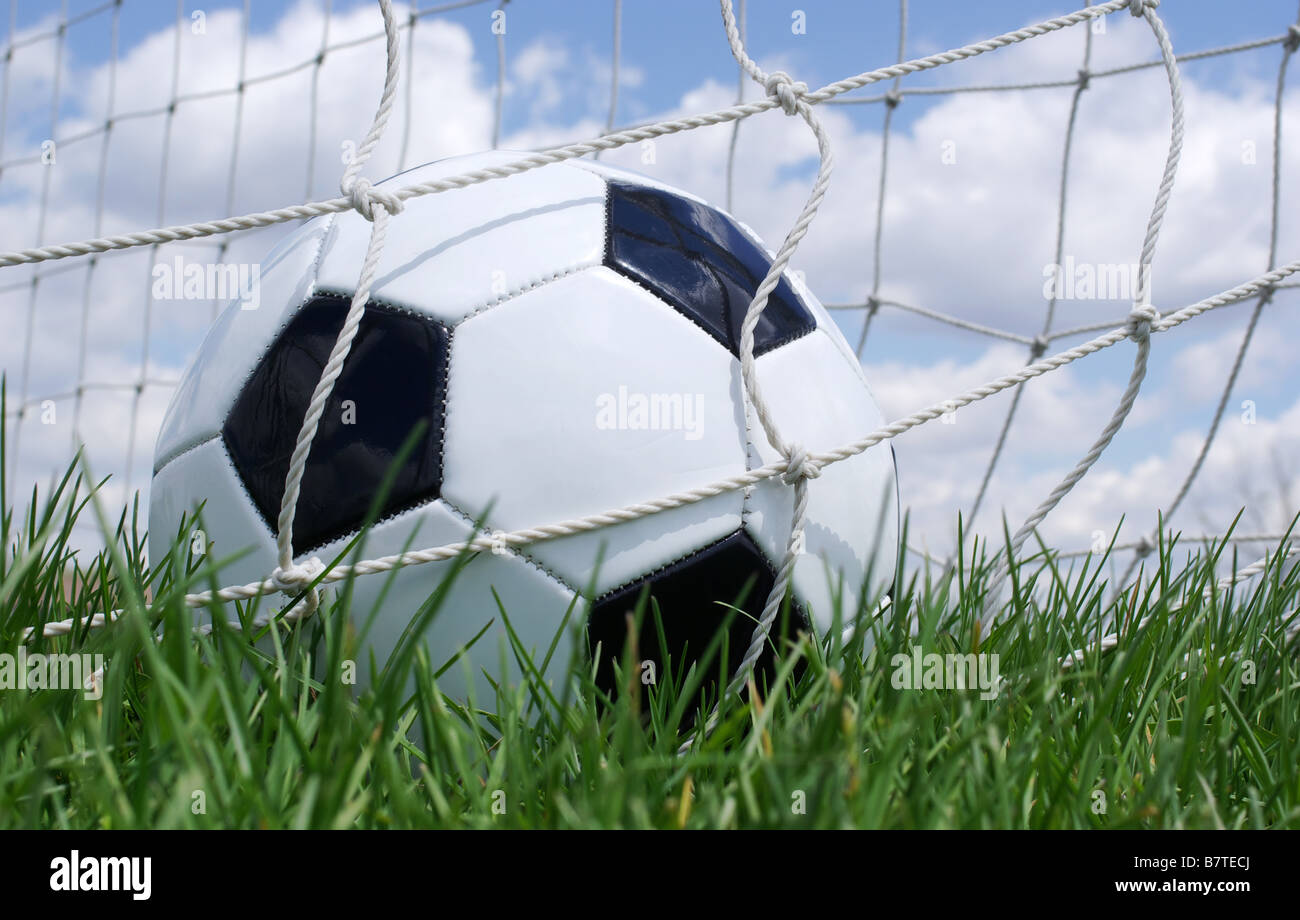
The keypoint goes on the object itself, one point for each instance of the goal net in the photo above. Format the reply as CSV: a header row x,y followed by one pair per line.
x,y
1017,234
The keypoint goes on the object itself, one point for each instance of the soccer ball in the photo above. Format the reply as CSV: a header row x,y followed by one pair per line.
x,y
570,338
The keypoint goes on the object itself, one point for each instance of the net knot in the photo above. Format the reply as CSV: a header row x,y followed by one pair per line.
x,y
1084,79
364,196
799,465
1139,7
1292,42
296,578
1144,548
1140,319
1038,347
785,91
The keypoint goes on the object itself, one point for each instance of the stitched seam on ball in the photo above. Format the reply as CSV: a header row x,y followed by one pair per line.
x,y
693,323
699,324
345,537
320,249
446,420
672,562
331,291
747,491
607,217
530,286
639,179
855,365
609,263
186,450
387,306
446,408
314,274
522,556
786,340
754,238
288,318
680,313
766,562
379,301
419,502
239,481
289,315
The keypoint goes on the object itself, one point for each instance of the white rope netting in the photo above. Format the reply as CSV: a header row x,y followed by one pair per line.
x,y
797,466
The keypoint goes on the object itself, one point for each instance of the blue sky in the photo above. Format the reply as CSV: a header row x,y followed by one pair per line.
x,y
841,36
969,240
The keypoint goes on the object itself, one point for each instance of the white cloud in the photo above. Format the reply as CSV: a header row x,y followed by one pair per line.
x,y
969,238
538,70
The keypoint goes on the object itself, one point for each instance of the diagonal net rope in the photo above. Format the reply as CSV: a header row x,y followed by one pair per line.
x,y
1141,318
1038,345
799,466
796,466
1147,544
375,206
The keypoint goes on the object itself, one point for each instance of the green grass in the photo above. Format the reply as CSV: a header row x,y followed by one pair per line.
x,y
1190,722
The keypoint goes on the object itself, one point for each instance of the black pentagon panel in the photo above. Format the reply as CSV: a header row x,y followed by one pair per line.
x,y
697,260
395,377
720,587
